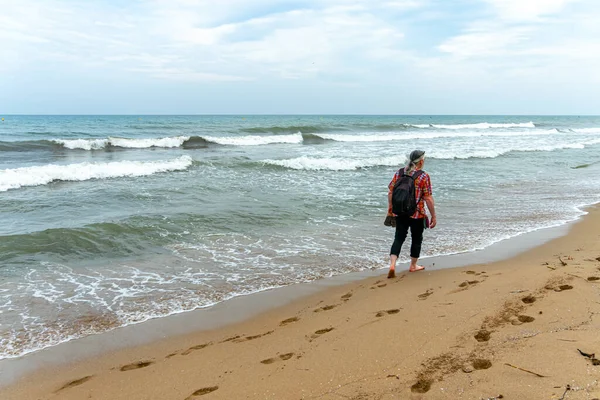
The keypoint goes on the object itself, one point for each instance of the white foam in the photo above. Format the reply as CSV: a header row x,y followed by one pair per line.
x,y
485,125
255,140
44,174
84,144
335,164
443,153
587,130
168,142
385,137
391,136
98,144
450,154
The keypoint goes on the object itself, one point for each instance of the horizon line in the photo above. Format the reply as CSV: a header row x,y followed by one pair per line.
x,y
301,114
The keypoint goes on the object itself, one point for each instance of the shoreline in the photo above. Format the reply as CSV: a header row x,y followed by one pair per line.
x,y
241,313
243,307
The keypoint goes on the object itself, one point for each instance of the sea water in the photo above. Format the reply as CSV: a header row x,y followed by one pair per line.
x,y
111,220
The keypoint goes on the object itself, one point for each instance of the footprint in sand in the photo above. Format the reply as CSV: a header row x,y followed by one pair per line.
x,y
390,312
563,287
319,333
425,295
482,336
194,348
283,357
466,284
202,392
528,299
137,365
231,339
422,386
325,308
247,338
74,383
592,278
347,296
288,321
481,364
525,319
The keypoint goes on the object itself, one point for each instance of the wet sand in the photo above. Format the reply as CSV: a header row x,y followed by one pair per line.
x,y
508,329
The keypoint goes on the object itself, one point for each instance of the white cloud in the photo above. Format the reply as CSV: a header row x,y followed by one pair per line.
x,y
430,45
233,39
486,41
516,31
527,9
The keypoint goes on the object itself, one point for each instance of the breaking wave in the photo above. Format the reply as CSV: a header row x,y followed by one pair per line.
x,y
45,174
353,163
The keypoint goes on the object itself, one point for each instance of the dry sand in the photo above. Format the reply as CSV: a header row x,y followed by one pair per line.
x,y
509,329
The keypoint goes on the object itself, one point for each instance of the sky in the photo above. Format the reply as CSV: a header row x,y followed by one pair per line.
x,y
300,57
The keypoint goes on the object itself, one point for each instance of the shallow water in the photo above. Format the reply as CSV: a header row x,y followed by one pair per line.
x,y
111,220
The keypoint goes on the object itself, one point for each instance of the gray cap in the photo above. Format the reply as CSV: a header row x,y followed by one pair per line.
x,y
416,154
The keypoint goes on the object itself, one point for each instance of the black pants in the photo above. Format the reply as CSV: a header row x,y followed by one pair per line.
x,y
416,233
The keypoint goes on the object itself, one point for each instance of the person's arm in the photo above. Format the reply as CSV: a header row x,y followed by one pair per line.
x,y
390,190
431,207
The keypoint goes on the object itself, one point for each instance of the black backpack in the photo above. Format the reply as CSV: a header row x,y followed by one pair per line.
x,y
404,203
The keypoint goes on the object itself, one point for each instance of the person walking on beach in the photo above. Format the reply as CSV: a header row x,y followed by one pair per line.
x,y
404,216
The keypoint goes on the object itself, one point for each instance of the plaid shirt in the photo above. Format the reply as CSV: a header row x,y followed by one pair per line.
x,y
422,189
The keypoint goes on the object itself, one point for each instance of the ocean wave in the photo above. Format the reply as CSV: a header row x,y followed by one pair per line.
x,y
391,136
44,174
97,144
191,142
352,163
291,129
194,142
382,127
335,164
482,125
313,138
586,130
444,154
187,142
254,140
28,145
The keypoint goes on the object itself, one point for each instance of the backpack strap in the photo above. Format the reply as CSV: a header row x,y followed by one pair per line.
x,y
418,174
415,174
400,173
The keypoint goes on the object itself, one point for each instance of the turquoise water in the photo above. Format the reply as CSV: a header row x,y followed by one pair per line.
x,y
111,220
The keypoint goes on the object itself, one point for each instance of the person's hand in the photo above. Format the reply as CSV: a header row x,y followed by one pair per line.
x,y
432,223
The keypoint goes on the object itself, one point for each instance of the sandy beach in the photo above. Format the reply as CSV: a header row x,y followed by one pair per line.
x,y
509,329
